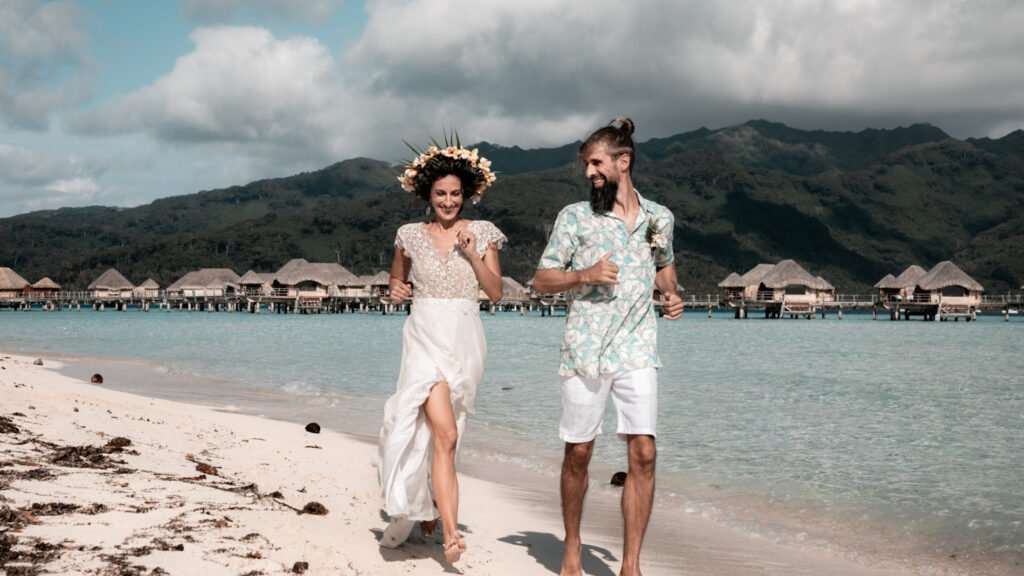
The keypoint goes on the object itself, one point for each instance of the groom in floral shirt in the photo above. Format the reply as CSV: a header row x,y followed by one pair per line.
x,y
609,254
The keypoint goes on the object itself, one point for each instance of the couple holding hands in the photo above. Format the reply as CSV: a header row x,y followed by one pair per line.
x,y
609,254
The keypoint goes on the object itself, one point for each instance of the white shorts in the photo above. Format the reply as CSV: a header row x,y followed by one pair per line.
x,y
635,394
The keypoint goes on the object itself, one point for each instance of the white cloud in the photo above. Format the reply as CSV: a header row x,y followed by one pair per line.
x,y
30,180
701,63
45,66
241,90
244,104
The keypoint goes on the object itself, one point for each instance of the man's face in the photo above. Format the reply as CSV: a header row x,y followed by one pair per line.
x,y
601,168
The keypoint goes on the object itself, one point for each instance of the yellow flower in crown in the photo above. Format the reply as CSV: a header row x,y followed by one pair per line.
x,y
452,158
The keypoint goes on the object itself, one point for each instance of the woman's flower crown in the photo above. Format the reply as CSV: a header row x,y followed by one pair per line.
x,y
452,158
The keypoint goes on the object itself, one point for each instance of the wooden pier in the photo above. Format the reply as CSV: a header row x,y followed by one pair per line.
x,y
279,302
274,302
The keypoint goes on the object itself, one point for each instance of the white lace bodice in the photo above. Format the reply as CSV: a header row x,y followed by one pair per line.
x,y
434,275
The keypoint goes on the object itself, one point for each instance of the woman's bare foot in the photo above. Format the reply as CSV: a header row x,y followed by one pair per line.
x,y
454,548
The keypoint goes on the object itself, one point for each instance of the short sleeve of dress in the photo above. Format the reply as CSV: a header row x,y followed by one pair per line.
x,y
401,239
487,234
562,242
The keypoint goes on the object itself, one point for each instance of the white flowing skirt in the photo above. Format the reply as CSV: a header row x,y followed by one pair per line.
x,y
443,340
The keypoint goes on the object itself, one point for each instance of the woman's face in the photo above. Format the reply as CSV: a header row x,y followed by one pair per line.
x,y
446,198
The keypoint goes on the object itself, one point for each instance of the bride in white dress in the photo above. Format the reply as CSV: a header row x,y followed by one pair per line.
x,y
442,265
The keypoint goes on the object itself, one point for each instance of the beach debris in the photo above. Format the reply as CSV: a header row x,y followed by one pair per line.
x,y
7,541
618,479
38,362
204,468
313,427
315,508
119,442
51,508
314,446
96,379
300,567
507,387
8,427
11,519
91,456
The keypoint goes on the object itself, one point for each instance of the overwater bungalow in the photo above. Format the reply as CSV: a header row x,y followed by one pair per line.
x,y
733,286
906,283
44,289
111,285
951,288
887,287
148,289
752,281
256,283
378,285
513,292
793,288
826,291
315,280
12,285
206,282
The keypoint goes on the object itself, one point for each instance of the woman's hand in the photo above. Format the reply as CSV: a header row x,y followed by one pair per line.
x,y
400,290
465,239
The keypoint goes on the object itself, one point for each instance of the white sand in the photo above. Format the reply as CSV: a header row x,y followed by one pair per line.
x,y
152,512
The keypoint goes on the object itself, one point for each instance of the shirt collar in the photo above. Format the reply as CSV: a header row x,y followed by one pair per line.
x,y
646,212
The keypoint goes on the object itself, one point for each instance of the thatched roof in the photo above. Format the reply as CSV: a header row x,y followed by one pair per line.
x,y
252,277
206,279
111,280
381,278
789,273
825,284
888,282
754,276
910,277
10,280
46,284
150,284
946,274
325,273
509,284
733,280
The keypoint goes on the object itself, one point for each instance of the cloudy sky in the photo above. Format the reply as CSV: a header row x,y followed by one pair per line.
x,y
119,102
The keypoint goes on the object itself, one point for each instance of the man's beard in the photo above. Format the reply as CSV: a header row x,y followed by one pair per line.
x,y
602,199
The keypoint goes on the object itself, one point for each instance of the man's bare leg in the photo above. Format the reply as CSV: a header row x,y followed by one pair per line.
x,y
575,480
637,499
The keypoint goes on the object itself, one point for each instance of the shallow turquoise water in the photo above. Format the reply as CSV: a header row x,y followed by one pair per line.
x,y
899,439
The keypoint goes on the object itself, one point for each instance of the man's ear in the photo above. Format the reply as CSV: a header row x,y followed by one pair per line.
x,y
624,161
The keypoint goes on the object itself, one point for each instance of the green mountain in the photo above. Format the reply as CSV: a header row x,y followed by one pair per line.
x,y
849,206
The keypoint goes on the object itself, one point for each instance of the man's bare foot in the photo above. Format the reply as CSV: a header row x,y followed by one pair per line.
x,y
572,564
634,571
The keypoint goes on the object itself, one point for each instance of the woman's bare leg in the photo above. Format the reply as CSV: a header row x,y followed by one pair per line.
x,y
441,420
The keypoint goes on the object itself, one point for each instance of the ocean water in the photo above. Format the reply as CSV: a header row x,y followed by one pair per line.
x,y
895,442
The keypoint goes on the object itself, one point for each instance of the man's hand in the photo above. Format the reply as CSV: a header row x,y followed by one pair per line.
x,y
671,305
604,272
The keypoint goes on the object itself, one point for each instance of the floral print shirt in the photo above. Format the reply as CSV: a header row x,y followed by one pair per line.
x,y
610,329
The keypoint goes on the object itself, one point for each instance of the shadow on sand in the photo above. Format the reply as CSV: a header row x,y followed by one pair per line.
x,y
546,549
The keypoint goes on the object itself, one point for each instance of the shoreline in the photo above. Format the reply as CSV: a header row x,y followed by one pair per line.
x,y
511,523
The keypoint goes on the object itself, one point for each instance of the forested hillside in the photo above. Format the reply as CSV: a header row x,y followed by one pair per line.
x,y
850,207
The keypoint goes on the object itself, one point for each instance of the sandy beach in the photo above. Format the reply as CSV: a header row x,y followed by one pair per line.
x,y
95,481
